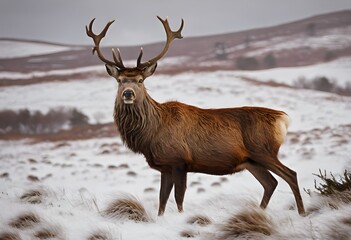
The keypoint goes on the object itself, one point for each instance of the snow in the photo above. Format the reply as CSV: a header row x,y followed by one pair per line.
x,y
79,183
331,39
13,49
37,74
339,70
207,90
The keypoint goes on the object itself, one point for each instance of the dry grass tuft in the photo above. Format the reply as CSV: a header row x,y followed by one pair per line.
x,y
334,201
25,220
347,221
33,178
194,183
123,166
132,174
100,235
34,196
199,220
149,190
127,207
4,175
335,230
47,233
251,223
9,236
216,184
187,234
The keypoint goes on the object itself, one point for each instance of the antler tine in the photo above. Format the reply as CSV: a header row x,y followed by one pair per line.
x,y
97,39
171,35
118,61
140,56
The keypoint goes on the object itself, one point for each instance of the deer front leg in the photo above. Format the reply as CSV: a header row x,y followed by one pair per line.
x,y
165,190
179,178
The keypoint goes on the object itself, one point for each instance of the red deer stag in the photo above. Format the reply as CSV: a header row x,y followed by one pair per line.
x,y
176,138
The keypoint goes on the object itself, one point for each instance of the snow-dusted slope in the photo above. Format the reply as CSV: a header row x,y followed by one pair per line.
x,y
80,178
15,49
338,70
308,109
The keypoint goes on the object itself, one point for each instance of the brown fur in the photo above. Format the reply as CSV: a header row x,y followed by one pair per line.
x,y
176,138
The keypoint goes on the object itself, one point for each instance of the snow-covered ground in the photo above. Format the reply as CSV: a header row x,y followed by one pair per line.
x,y
14,49
207,90
331,39
339,70
80,178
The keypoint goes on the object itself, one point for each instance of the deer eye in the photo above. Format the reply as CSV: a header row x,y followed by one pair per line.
x,y
141,80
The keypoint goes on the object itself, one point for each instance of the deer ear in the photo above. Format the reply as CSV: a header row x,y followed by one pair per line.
x,y
150,70
112,70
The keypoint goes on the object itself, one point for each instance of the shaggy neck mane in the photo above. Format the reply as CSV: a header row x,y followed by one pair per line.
x,y
137,123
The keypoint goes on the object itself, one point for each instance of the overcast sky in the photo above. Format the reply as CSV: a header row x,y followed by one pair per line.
x,y
63,21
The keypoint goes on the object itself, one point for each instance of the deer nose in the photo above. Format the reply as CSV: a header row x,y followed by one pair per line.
x,y
128,93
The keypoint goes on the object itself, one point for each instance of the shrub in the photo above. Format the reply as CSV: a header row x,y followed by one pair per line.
x,y
78,118
269,61
26,122
324,84
332,193
247,63
330,185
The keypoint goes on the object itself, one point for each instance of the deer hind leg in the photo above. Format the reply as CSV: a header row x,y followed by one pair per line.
x,y
165,190
179,175
290,177
268,182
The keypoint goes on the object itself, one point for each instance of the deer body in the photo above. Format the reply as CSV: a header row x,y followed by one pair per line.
x,y
176,138
203,140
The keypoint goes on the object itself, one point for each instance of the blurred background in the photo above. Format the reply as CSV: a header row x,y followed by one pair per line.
x,y
45,42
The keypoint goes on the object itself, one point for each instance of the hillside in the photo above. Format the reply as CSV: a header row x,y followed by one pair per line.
x,y
314,40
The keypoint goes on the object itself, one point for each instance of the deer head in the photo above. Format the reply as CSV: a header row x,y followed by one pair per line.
x,y
131,80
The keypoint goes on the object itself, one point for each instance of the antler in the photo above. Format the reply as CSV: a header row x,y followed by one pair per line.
x,y
97,38
170,37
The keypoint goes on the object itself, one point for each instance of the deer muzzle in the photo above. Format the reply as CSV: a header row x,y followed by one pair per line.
x,y
128,96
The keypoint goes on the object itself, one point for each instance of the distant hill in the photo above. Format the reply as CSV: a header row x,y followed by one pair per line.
x,y
313,40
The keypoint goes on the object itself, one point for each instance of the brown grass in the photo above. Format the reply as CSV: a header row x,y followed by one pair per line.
x,y
132,174
9,236
25,220
188,234
33,196
333,201
4,175
216,184
100,235
33,178
127,207
252,223
199,220
47,233
347,221
336,231
149,190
